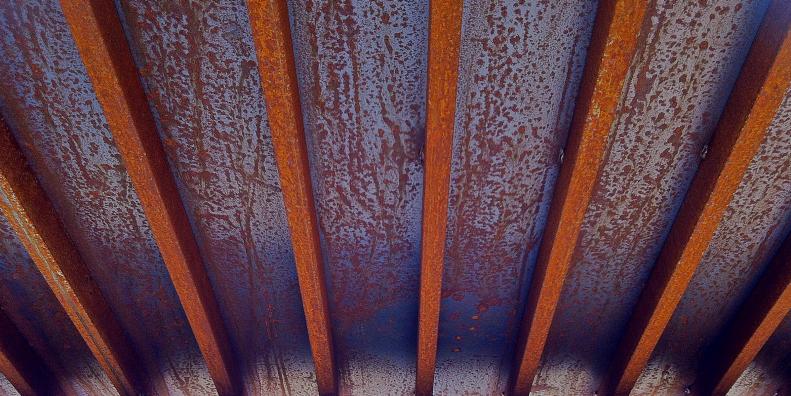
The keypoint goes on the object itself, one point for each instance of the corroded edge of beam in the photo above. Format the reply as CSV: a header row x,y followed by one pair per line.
x,y
272,37
32,216
614,41
99,36
754,101
444,42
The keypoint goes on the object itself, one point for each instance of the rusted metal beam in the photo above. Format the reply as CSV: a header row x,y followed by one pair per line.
x,y
272,37
443,74
756,320
21,365
100,39
32,216
756,97
613,43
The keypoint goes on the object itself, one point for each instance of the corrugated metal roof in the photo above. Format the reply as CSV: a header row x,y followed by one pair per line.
x,y
362,76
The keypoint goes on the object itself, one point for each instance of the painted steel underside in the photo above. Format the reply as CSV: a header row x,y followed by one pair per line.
x,y
361,67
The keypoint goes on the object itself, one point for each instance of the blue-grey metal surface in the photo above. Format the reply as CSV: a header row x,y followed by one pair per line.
x,y
512,117
49,102
198,65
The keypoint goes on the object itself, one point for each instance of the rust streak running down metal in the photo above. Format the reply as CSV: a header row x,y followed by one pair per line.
x,y
21,365
272,36
613,43
756,97
752,326
102,45
443,73
33,218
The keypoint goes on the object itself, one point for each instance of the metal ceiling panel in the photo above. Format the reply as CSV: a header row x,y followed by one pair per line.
x,y
732,265
198,65
688,60
511,122
361,70
60,126
362,76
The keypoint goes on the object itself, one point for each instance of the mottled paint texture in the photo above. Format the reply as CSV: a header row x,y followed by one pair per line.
x,y
28,301
680,77
49,102
197,62
733,263
361,68
362,72
512,118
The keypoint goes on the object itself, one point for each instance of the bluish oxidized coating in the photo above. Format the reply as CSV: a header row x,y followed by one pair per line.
x,y
756,222
49,101
520,68
361,67
687,60
198,65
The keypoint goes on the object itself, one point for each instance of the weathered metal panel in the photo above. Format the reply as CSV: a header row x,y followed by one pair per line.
x,y
680,78
198,64
512,118
49,101
770,372
30,304
361,67
754,226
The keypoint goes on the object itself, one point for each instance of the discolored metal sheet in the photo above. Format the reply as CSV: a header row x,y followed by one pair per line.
x,y
770,372
28,301
361,67
680,77
512,118
754,226
197,62
49,102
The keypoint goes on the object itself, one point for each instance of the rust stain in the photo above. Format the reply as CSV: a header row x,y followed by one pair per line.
x,y
674,95
362,69
33,218
513,116
757,95
733,262
272,36
99,37
443,70
60,125
198,66
613,41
